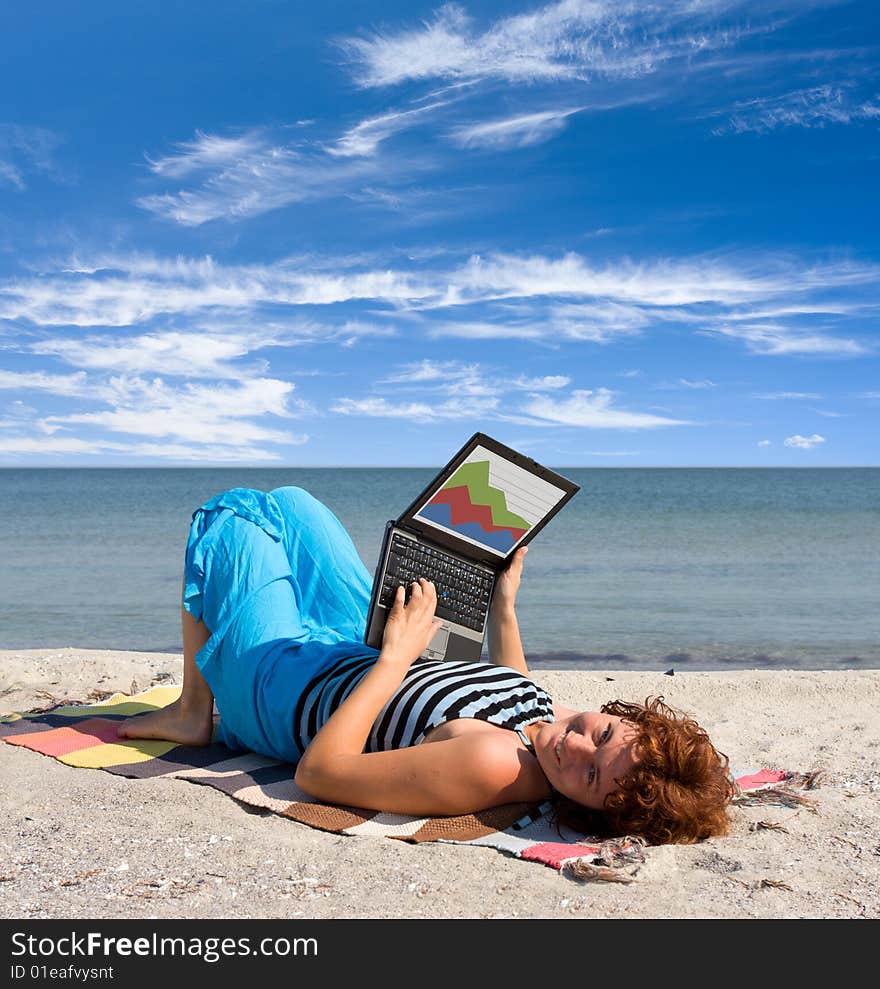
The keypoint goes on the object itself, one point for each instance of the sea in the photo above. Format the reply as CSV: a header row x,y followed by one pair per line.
x,y
645,569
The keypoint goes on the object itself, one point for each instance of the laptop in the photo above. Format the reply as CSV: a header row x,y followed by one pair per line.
x,y
460,533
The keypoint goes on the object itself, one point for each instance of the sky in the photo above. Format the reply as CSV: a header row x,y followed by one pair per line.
x,y
606,233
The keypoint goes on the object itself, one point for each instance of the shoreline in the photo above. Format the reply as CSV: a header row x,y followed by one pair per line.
x,y
83,843
562,659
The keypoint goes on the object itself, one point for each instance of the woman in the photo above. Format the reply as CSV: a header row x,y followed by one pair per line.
x,y
274,607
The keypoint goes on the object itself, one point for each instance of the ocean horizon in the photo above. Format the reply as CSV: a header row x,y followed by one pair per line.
x,y
694,568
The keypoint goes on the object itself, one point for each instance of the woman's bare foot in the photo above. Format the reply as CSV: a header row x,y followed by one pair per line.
x,y
189,725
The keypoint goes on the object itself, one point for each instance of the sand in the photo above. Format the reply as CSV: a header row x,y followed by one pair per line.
x,y
81,843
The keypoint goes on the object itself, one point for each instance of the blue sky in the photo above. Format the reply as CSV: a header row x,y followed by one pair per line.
x,y
609,234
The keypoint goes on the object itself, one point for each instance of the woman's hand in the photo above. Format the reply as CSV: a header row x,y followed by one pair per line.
x,y
410,627
334,766
507,584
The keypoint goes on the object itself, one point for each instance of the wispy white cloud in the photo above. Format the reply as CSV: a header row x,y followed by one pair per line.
x,y
549,382
10,175
454,408
828,414
473,329
659,283
424,370
795,309
408,206
19,411
585,409
226,417
858,61
599,321
194,355
593,410
804,442
774,396
780,339
59,446
697,384
349,332
364,138
513,132
132,289
249,175
210,349
71,385
586,321
24,150
816,106
478,390
447,376
233,177
568,40
237,177
468,379
213,413
548,299
208,151
764,443
41,444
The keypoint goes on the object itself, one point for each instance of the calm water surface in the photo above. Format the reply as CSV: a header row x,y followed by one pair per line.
x,y
692,568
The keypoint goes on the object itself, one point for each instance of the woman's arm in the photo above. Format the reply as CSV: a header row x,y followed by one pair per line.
x,y
456,776
408,630
459,775
505,645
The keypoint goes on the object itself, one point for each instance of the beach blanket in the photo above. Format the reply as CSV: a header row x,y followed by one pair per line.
x,y
84,736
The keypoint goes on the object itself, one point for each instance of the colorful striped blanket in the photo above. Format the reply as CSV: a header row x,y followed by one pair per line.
x,y
85,736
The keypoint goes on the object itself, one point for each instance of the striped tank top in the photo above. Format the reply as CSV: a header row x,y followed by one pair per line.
x,y
432,693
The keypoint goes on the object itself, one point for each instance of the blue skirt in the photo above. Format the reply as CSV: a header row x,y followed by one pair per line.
x,y
279,584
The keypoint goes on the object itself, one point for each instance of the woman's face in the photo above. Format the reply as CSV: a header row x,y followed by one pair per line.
x,y
583,756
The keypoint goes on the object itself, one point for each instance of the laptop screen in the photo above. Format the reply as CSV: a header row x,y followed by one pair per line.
x,y
490,502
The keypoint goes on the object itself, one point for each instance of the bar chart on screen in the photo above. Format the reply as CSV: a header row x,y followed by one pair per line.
x,y
490,501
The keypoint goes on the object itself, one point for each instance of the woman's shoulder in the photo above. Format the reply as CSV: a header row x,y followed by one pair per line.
x,y
497,757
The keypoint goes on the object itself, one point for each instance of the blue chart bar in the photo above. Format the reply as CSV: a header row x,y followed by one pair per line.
x,y
501,540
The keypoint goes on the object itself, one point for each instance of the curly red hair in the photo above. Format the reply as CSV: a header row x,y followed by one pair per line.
x,y
677,793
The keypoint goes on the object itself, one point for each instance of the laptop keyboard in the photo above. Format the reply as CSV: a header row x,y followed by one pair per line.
x,y
462,590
